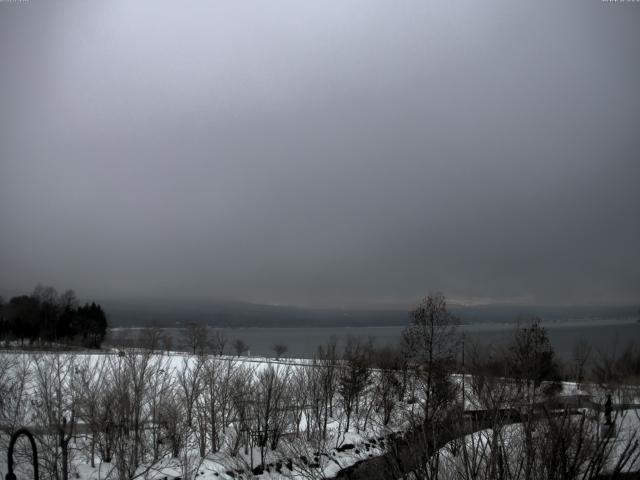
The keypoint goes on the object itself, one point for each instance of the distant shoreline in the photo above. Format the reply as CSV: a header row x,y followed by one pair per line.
x,y
592,322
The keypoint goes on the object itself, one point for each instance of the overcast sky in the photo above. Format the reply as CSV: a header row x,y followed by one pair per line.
x,y
326,153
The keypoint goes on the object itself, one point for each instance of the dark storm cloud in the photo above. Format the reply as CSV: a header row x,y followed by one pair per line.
x,y
324,153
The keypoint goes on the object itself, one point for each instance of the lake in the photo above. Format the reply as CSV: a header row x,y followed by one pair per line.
x,y
601,335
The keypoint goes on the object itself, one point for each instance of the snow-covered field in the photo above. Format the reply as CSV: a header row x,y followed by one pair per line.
x,y
168,375
226,417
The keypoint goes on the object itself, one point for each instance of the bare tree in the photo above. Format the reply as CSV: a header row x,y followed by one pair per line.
x,y
431,343
128,411
91,377
533,362
299,397
567,447
354,377
388,381
56,409
279,350
151,338
617,371
321,380
196,337
161,384
15,378
243,403
493,392
240,347
174,432
581,355
217,397
270,406
217,342
189,385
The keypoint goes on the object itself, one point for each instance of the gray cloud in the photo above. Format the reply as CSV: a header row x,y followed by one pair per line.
x,y
321,153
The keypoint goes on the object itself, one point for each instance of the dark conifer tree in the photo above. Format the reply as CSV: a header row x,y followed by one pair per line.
x,y
48,317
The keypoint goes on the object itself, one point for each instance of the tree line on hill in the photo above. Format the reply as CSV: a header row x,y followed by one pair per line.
x,y
47,317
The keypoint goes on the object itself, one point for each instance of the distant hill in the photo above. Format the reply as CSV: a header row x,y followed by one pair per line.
x,y
243,314
513,313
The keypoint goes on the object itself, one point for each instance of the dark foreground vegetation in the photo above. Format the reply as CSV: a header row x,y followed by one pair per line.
x,y
48,318
432,408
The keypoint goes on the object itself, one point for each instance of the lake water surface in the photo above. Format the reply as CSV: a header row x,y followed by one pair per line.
x,y
601,335
303,342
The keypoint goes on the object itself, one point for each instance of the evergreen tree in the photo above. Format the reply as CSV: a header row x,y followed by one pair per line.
x,y
48,317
